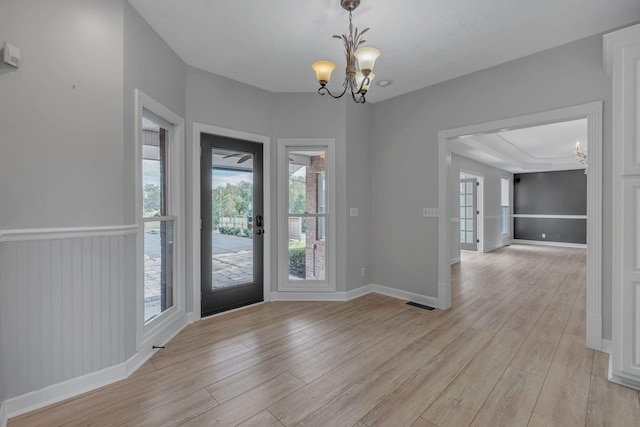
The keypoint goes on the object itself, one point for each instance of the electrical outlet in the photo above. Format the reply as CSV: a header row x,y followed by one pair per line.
x,y
364,271
430,212
544,236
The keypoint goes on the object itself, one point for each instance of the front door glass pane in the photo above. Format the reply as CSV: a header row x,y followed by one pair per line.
x,y
232,218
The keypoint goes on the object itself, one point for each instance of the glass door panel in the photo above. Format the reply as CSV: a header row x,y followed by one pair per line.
x,y
232,223
468,214
232,217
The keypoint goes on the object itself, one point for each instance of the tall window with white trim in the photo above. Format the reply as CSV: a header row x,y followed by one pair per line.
x,y
307,220
158,223
504,205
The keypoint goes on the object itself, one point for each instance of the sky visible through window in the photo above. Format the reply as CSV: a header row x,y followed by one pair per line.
x,y
151,175
220,177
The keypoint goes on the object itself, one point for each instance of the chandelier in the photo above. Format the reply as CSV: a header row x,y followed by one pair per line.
x,y
581,157
357,78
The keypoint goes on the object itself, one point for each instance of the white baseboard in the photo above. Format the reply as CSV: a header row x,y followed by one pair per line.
x,y
455,260
55,393
309,296
405,295
355,293
606,346
549,243
58,392
493,247
358,292
627,382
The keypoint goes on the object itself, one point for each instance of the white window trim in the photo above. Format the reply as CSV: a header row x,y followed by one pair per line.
x,y
284,283
146,333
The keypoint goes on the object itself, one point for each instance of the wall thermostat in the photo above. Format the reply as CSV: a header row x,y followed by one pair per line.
x,y
11,55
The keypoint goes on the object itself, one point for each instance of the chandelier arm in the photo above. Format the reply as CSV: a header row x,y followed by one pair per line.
x,y
359,100
365,82
325,89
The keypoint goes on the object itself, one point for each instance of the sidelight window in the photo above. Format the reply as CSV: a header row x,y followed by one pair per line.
x,y
307,207
158,224
159,255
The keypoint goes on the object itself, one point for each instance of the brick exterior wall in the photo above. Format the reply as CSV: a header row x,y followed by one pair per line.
x,y
317,165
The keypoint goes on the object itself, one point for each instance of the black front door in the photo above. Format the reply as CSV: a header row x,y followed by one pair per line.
x,y
231,203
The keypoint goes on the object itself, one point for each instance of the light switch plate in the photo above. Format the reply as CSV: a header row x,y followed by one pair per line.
x,y
430,212
11,55
353,211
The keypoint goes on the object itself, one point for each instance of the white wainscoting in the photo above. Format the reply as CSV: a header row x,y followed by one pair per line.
x,y
66,300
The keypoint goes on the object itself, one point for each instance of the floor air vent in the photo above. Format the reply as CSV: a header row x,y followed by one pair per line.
x,y
426,307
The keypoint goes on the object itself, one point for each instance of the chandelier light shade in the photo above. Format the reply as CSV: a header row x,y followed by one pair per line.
x,y
360,62
323,71
366,58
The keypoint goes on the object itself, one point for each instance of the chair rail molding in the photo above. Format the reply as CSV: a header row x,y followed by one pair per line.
x,y
16,235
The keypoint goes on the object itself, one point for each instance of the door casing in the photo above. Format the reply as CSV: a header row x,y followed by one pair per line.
x,y
236,296
193,185
593,113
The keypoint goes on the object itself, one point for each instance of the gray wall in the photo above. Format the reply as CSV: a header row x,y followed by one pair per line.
x,y
309,116
359,193
61,114
61,165
219,101
405,151
551,193
67,159
151,66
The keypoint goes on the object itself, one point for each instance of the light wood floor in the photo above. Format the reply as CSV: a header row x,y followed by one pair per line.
x,y
510,352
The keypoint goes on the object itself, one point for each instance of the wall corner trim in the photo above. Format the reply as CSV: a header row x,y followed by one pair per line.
x,y
3,415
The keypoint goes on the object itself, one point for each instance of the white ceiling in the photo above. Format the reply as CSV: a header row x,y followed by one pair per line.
x,y
271,44
534,149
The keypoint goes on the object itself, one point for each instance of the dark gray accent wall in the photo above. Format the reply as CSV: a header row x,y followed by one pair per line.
x,y
555,230
550,193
